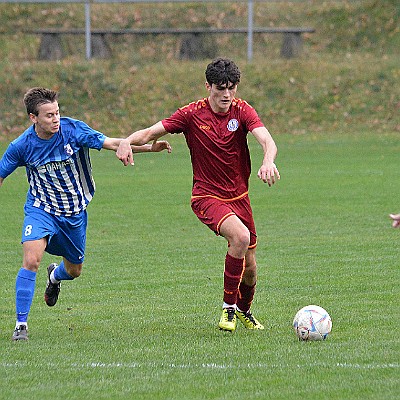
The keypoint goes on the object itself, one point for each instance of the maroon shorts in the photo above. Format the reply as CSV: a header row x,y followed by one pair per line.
x,y
213,211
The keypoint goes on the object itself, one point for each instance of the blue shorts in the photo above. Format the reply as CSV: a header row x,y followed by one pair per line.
x,y
66,236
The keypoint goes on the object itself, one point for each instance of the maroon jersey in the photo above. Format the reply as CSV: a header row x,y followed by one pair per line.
x,y
218,146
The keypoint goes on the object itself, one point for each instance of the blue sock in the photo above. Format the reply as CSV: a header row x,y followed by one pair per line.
x,y
61,274
24,291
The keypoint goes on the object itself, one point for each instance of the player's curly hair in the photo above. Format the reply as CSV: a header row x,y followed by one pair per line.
x,y
221,71
37,96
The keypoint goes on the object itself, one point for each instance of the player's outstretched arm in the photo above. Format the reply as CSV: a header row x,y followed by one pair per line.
x,y
396,220
268,171
139,138
155,147
113,144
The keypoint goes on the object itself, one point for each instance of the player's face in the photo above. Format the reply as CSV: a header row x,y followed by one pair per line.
x,y
221,96
47,122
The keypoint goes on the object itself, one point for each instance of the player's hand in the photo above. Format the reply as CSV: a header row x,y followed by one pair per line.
x,y
269,173
124,152
396,220
160,146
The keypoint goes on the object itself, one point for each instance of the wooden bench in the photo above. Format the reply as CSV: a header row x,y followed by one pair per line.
x,y
191,45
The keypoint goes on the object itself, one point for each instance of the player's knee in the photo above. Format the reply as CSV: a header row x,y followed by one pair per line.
x,y
241,240
31,262
245,238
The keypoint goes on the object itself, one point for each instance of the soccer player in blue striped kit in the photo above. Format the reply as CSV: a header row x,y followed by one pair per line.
x,y
55,152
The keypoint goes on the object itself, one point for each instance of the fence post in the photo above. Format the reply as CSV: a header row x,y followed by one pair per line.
x,y
250,17
88,31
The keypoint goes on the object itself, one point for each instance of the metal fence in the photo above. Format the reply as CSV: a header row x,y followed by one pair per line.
x,y
87,3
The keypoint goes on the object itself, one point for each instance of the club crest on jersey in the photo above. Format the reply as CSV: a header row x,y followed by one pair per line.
x,y
233,125
68,149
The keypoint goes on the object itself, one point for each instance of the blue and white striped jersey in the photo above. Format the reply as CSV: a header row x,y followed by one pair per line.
x,y
59,170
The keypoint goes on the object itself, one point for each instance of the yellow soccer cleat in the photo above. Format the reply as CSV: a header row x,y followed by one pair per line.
x,y
248,320
228,320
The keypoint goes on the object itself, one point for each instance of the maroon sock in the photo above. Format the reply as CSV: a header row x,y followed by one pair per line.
x,y
232,275
245,296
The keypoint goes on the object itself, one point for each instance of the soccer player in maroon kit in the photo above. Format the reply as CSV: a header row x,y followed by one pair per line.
x,y
216,131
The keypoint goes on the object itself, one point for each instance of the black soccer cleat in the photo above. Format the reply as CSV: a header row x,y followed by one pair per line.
x,y
20,333
52,289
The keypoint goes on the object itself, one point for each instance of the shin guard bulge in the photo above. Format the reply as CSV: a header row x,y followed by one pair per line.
x,y
232,276
245,296
24,291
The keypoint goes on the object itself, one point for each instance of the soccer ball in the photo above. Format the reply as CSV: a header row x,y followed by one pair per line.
x,y
312,323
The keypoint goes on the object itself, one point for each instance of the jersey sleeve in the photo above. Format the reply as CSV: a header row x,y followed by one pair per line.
x,y
11,160
176,123
251,118
89,137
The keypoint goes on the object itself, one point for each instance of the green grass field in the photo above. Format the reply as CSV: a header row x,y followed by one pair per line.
x,y
141,321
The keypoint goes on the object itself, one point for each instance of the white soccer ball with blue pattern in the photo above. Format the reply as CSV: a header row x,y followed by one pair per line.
x,y
312,323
